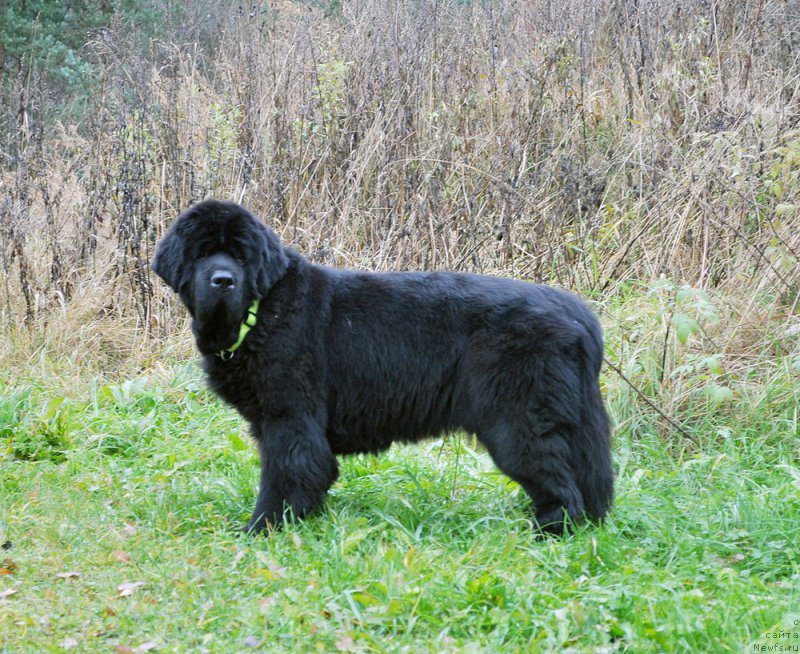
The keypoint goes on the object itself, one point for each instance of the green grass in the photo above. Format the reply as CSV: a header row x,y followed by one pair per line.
x,y
425,548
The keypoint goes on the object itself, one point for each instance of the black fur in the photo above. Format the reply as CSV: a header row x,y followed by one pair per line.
x,y
342,362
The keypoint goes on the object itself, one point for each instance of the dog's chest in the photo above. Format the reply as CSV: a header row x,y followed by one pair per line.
x,y
230,381
267,381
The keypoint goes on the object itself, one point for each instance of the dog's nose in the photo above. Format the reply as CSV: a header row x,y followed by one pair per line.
x,y
221,279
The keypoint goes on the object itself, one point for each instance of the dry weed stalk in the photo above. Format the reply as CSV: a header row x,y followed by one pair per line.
x,y
585,144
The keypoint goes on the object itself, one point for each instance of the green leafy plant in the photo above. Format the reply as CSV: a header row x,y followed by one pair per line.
x,y
36,434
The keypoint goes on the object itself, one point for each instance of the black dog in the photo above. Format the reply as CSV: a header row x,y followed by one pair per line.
x,y
324,362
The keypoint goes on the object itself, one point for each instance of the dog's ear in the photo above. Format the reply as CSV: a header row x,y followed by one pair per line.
x,y
169,260
273,261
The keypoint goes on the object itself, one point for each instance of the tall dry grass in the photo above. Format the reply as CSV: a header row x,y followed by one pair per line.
x,y
596,145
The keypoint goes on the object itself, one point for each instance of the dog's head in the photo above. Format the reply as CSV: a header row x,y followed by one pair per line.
x,y
219,258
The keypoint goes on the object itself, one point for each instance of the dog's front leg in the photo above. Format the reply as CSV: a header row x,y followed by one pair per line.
x,y
297,469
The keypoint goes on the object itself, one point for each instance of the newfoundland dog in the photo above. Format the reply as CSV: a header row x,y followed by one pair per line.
x,y
324,362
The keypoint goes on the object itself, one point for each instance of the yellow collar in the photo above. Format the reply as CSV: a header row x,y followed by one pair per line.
x,y
244,330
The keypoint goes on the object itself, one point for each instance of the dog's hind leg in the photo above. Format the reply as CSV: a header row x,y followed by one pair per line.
x,y
592,456
297,469
541,464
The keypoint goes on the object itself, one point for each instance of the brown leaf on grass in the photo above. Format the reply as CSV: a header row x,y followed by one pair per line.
x,y
269,574
68,575
266,603
272,572
121,556
128,587
141,649
8,567
270,569
207,606
238,557
8,592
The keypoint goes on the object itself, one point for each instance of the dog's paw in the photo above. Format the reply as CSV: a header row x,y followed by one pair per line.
x,y
257,527
557,522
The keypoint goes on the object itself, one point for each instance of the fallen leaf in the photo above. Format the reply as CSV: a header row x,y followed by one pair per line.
x,y
8,567
121,556
207,606
269,574
68,575
8,592
69,642
127,649
127,589
270,569
239,556
266,603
